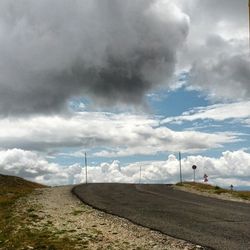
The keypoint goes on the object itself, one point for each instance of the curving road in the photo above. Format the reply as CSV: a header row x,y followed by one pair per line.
x,y
214,223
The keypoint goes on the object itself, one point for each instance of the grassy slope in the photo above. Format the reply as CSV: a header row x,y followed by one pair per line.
x,y
14,233
201,187
11,188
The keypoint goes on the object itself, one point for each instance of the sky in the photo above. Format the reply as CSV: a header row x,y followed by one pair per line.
x,y
131,83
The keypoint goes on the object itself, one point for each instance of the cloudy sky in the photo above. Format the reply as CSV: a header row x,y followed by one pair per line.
x,y
131,83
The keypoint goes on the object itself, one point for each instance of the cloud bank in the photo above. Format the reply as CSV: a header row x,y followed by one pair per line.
x,y
230,168
114,51
120,134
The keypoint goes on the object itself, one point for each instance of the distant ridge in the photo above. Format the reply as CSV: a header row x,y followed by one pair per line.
x,y
17,182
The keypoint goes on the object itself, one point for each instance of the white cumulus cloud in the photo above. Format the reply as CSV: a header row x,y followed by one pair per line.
x,y
217,112
230,168
119,134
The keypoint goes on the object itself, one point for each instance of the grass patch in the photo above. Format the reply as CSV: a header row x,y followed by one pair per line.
x,y
77,212
179,184
11,189
215,190
30,210
245,195
14,230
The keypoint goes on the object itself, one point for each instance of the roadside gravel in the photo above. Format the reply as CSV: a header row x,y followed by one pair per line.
x,y
63,214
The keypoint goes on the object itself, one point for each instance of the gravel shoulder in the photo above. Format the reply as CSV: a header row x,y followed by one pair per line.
x,y
64,215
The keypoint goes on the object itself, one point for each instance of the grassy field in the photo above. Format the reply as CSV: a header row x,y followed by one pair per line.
x,y
201,187
14,230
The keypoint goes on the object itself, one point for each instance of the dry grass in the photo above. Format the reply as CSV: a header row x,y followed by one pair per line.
x,y
242,194
201,187
11,188
14,232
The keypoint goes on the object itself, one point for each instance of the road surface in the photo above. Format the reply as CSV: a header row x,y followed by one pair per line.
x,y
214,223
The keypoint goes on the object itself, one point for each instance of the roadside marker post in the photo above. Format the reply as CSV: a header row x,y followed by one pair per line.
x,y
86,169
205,178
140,175
194,168
180,167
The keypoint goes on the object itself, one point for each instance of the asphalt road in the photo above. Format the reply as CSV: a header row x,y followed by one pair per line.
x,y
209,222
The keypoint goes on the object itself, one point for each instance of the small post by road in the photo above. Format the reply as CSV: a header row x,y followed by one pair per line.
x,y
194,168
86,169
180,167
205,178
140,175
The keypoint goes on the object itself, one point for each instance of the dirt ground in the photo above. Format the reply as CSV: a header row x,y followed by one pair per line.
x,y
60,212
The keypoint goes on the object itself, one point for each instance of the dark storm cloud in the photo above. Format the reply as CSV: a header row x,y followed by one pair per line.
x,y
214,10
227,77
217,48
113,51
